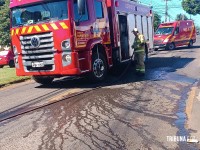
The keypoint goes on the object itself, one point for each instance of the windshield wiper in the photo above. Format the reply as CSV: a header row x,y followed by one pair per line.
x,y
48,20
19,25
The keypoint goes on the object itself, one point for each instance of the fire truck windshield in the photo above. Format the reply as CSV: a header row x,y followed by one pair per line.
x,y
164,31
42,12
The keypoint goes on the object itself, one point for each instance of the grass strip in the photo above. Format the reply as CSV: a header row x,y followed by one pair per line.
x,y
8,76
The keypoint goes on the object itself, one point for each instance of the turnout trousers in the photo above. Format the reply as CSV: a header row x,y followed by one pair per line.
x,y
139,59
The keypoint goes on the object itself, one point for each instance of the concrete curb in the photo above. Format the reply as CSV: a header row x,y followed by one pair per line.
x,y
14,82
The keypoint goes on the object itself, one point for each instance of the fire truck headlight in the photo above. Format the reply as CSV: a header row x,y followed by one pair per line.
x,y
15,50
67,58
166,40
65,45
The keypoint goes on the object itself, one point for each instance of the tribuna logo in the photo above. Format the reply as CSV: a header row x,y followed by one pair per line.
x,y
182,139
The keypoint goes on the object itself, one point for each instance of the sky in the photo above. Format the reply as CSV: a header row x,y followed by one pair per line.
x,y
174,7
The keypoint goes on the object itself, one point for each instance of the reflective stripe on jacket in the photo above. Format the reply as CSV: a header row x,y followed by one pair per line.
x,y
137,43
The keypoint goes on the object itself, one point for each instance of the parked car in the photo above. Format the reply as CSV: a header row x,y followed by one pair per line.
x,y
6,58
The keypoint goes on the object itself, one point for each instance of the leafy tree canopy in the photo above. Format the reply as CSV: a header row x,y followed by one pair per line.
x,y
191,6
181,17
157,21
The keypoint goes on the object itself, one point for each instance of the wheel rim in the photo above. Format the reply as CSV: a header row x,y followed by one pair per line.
x,y
171,46
98,68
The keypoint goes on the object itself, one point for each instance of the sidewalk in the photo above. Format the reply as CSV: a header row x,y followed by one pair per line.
x,y
193,123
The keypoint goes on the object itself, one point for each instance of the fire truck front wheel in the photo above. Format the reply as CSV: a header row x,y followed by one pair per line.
x,y
99,67
190,44
171,46
43,79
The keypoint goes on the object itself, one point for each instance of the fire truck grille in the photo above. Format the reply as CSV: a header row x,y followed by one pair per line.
x,y
40,58
158,41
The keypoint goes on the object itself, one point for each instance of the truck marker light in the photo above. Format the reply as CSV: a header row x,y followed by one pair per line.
x,y
63,25
45,27
54,26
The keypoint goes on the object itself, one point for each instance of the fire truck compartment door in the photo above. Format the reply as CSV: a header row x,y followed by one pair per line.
x,y
131,25
145,27
150,31
124,38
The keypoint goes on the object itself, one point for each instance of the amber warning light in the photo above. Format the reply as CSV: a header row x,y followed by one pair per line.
x,y
116,4
150,13
108,3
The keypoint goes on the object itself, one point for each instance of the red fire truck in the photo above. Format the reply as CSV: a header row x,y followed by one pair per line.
x,y
175,34
55,38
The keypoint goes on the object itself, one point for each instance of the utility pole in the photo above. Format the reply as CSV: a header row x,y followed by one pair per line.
x,y
183,17
166,9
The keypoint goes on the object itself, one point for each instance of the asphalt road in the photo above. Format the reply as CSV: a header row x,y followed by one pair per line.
x,y
153,112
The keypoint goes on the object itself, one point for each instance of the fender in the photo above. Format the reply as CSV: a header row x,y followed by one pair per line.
x,y
90,45
92,42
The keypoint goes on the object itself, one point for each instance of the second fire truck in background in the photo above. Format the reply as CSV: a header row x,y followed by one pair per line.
x,y
175,34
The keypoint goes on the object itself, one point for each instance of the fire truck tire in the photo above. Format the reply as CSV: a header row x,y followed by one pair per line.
x,y
1,66
11,64
190,44
171,46
156,49
99,67
43,79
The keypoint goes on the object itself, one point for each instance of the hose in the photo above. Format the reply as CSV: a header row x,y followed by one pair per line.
x,y
72,96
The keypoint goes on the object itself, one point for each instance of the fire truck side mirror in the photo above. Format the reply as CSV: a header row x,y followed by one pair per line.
x,y
81,7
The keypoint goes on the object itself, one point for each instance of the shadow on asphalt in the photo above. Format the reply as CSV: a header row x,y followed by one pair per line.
x,y
182,48
97,109
156,68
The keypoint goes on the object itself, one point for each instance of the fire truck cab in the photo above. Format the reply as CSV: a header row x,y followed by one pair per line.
x,y
55,38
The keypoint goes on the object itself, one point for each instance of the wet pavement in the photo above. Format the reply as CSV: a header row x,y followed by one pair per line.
x,y
134,113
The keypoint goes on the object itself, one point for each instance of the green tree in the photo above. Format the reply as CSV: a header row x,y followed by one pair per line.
x,y
4,23
181,17
157,21
198,28
191,6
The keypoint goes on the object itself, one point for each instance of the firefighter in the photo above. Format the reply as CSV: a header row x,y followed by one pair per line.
x,y
139,50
